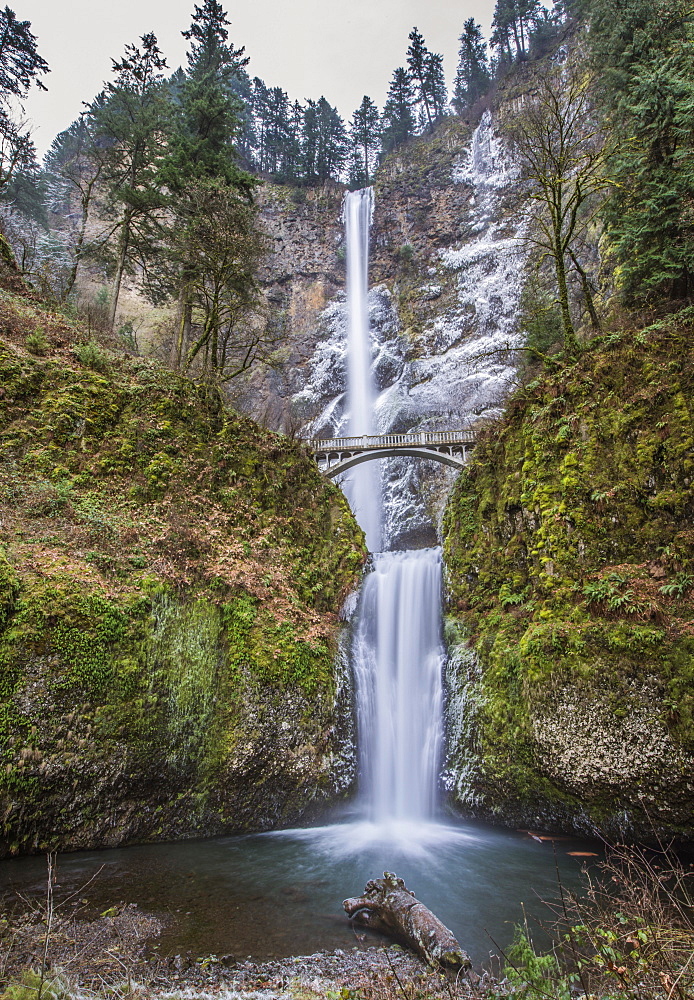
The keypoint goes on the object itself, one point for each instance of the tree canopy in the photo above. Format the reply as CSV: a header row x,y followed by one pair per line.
x,y
20,66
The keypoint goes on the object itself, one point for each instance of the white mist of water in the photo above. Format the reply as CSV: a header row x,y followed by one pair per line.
x,y
363,486
398,663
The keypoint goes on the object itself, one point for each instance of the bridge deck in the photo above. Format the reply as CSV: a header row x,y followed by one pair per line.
x,y
372,442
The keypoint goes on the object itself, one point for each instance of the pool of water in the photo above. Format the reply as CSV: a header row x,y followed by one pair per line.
x,y
279,894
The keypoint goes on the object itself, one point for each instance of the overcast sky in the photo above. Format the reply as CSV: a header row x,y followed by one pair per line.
x,y
308,47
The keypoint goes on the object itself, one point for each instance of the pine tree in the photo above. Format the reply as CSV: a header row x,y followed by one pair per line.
x,y
426,73
260,117
206,116
512,27
417,63
366,140
398,121
324,142
436,85
130,120
473,77
20,66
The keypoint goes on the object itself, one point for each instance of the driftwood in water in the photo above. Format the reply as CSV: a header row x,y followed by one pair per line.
x,y
388,906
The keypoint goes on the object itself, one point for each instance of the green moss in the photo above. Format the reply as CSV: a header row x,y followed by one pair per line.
x,y
570,552
166,565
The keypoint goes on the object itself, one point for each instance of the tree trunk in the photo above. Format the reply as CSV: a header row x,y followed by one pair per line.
x,y
184,326
122,257
587,294
388,906
570,342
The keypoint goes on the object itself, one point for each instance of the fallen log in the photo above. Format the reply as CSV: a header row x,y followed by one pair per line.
x,y
388,906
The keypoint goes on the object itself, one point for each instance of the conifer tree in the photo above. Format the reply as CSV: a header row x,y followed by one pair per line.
x,y
473,77
130,121
206,115
426,73
512,26
398,121
366,140
201,145
324,142
417,63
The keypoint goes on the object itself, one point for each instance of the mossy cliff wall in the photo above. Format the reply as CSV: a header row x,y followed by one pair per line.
x,y
170,577
570,551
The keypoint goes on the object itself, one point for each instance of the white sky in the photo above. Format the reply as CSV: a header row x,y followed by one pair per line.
x,y
308,47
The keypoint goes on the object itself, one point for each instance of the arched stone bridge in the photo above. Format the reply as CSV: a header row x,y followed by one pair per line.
x,y
336,455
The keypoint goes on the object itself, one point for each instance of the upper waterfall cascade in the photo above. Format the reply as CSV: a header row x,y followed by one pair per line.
x,y
363,487
453,371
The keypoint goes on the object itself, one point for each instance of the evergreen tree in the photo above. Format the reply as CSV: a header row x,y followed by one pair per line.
x,y
130,121
20,66
365,136
426,73
436,85
644,50
398,121
241,91
418,57
202,141
324,142
473,77
292,158
206,116
512,27
260,117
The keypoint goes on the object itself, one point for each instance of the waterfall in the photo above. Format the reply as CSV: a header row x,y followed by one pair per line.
x,y
398,664
397,651
363,487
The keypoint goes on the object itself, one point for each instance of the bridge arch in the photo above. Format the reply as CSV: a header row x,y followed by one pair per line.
x,y
456,461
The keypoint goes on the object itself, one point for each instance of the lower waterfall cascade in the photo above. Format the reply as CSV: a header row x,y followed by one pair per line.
x,y
398,663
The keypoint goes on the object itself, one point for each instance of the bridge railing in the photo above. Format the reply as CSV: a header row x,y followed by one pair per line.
x,y
367,442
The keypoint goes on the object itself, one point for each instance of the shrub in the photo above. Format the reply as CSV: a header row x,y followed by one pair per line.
x,y
37,342
92,356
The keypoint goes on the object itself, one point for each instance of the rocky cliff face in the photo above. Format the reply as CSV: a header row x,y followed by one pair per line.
x,y
170,577
445,273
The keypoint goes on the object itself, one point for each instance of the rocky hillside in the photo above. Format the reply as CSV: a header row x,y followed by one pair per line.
x,y
570,553
170,577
